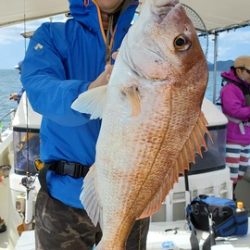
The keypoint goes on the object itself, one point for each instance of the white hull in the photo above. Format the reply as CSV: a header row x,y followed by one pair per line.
x,y
8,212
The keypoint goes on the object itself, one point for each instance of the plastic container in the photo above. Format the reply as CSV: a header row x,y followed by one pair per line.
x,y
26,140
241,219
26,150
240,207
169,245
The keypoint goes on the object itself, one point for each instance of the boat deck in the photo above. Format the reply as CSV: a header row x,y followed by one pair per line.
x,y
157,235
179,234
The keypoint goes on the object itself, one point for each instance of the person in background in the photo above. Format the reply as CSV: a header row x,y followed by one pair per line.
x,y
17,96
235,98
62,61
3,226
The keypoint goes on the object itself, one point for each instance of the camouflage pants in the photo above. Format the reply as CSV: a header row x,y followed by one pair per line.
x,y
62,227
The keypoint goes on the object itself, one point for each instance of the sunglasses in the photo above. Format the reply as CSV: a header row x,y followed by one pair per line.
x,y
247,70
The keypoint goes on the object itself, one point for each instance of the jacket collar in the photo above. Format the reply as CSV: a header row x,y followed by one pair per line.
x,y
231,76
87,12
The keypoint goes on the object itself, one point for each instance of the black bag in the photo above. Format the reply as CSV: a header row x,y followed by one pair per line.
x,y
225,220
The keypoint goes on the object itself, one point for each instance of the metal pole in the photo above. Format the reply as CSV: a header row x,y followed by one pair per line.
x,y
215,66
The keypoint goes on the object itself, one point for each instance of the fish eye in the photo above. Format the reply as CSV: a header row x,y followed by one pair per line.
x,y
181,43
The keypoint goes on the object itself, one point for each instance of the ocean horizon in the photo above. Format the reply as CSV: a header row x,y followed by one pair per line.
x,y
10,83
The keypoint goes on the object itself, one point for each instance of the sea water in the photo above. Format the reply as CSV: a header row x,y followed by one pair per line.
x,y
10,82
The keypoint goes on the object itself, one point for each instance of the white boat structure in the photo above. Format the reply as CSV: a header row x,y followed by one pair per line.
x,y
208,176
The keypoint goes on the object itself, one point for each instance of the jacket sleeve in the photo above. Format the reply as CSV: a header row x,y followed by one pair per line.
x,y
44,79
233,103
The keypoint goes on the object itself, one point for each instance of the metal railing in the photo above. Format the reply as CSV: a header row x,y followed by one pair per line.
x,y
9,114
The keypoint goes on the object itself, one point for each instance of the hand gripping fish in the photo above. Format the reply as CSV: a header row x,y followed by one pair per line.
x,y
152,124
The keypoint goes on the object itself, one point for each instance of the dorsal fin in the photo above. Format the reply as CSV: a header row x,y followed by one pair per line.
x,y
133,96
187,155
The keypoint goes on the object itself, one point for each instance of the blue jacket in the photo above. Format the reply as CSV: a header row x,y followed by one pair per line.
x,y
61,61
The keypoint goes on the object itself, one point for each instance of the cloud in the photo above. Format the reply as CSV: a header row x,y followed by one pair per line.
x,y
231,44
241,36
234,43
12,33
12,44
224,53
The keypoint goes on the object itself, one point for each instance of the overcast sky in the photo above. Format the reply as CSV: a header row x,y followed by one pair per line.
x,y
231,44
12,45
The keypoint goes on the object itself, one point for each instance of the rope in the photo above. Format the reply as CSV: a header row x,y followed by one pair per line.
x,y
26,106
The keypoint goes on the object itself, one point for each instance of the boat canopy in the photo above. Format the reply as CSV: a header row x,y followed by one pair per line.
x,y
217,15
221,15
16,11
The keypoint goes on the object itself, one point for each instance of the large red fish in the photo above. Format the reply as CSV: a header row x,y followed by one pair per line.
x,y
152,124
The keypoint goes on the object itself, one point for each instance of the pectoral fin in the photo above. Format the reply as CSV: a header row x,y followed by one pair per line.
x,y
91,102
133,96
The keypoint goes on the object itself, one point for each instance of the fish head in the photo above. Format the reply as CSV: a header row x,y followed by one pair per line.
x,y
163,44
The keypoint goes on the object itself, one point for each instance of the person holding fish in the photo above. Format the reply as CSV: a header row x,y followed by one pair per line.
x,y
235,99
64,60
152,123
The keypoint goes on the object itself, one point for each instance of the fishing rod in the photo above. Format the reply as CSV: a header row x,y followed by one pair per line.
x,y
7,114
28,181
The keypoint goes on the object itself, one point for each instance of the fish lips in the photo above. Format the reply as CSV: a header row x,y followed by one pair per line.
x,y
162,9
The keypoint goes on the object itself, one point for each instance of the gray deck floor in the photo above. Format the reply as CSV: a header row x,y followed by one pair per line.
x,y
157,236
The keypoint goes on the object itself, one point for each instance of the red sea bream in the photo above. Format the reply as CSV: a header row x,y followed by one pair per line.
x,y
152,124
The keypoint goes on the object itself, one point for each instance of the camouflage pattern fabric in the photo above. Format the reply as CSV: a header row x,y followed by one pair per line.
x,y
59,227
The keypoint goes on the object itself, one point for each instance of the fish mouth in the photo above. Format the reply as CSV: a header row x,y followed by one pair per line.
x,y
159,50
161,9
